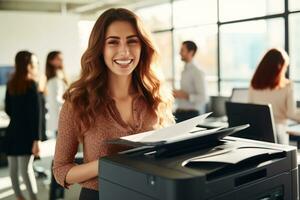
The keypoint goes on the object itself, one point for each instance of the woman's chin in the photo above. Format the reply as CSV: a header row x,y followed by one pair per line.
x,y
123,70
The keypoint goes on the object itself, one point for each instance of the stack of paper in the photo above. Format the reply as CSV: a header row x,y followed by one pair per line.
x,y
180,131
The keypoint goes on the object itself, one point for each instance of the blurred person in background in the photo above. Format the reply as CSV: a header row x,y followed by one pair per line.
x,y
269,85
56,86
22,104
192,97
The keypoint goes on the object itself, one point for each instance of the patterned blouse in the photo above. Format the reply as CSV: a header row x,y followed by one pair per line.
x,y
108,125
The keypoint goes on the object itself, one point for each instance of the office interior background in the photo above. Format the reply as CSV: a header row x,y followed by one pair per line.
x,y
232,36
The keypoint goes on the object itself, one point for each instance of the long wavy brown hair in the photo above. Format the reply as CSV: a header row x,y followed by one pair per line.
x,y
89,94
19,82
268,72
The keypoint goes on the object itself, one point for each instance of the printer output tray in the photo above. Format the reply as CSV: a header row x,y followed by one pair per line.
x,y
165,148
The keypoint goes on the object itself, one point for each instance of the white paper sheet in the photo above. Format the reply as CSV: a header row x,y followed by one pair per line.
x,y
174,132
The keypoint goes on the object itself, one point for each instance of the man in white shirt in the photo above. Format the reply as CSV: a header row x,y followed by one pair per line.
x,y
192,97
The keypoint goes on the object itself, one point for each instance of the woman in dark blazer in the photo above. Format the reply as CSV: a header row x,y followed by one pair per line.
x,y
22,104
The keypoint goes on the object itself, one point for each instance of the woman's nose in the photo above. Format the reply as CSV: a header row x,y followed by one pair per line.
x,y
124,49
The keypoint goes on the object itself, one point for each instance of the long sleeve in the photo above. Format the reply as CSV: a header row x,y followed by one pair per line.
x,y
7,103
292,111
56,90
200,96
66,145
34,108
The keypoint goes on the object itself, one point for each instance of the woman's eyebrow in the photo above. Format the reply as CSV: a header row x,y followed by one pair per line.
x,y
112,37
132,36
116,37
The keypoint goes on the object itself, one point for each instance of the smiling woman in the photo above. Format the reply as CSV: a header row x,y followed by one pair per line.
x,y
122,48
117,94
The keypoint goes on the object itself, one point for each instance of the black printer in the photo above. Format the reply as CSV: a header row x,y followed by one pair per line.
x,y
212,168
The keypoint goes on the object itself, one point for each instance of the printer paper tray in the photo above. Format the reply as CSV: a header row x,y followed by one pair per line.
x,y
234,156
225,163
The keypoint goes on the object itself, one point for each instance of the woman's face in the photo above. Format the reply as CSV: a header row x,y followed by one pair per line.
x,y
33,66
122,48
57,61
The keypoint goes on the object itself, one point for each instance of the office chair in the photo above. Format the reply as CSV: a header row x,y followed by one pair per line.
x,y
260,118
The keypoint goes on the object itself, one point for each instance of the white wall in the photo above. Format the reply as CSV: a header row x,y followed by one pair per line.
x,y
40,33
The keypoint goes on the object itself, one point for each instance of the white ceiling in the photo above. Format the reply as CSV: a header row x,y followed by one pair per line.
x,y
84,8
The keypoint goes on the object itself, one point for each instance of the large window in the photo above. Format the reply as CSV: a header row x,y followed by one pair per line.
x,y
294,5
185,26
242,9
232,36
85,28
156,17
243,44
194,12
294,43
161,24
164,44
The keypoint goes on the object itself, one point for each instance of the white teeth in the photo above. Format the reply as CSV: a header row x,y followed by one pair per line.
x,y
123,62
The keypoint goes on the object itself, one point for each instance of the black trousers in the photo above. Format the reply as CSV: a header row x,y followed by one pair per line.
x,y
182,115
88,194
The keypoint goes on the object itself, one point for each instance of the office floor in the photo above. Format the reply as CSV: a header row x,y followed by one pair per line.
x,y
47,151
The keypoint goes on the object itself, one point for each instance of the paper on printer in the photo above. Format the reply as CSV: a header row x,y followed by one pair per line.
x,y
176,132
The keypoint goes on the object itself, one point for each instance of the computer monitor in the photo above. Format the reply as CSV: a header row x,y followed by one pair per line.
x,y
260,118
217,106
239,95
5,73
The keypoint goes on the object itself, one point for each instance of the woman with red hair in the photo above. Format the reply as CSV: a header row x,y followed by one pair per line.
x,y
269,85
118,94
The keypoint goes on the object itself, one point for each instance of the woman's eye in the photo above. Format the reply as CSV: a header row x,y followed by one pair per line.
x,y
112,42
133,41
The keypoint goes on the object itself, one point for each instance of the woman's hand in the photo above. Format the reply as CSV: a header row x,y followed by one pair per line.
x,y
180,94
36,148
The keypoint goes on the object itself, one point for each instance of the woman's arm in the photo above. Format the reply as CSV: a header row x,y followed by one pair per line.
x,y
7,102
36,148
56,89
34,108
66,145
82,172
65,171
